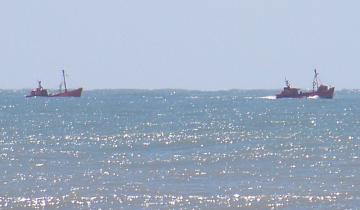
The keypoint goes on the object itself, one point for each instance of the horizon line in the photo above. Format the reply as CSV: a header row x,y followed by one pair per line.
x,y
174,89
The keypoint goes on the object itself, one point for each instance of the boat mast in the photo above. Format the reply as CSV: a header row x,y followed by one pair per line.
x,y
39,86
64,80
315,81
287,83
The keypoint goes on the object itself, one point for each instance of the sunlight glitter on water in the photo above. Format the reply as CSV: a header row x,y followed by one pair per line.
x,y
192,150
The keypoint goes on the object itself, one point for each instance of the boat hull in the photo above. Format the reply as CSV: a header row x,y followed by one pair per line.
x,y
38,93
327,94
71,93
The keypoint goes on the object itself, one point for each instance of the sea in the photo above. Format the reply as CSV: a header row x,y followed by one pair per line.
x,y
179,149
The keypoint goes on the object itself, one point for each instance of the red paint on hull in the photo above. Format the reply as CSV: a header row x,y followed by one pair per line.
x,y
44,93
71,93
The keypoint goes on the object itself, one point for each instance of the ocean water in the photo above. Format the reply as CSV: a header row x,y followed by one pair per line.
x,y
176,149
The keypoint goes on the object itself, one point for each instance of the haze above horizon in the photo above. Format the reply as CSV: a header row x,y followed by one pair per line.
x,y
159,44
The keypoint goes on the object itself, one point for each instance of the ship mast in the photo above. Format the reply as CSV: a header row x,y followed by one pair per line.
x,y
64,80
39,86
287,83
315,81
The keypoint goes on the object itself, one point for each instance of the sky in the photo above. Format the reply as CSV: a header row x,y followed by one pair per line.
x,y
187,44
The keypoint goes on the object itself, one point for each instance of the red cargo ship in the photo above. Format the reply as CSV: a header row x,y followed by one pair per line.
x,y
41,92
322,91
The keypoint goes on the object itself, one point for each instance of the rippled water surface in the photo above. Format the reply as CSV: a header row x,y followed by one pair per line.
x,y
171,149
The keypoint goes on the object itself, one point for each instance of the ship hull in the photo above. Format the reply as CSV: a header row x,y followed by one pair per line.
x,y
38,93
71,93
328,94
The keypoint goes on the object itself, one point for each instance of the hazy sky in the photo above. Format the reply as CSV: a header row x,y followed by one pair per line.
x,y
190,44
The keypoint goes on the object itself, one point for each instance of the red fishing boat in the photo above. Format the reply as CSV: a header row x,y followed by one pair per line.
x,y
41,92
322,91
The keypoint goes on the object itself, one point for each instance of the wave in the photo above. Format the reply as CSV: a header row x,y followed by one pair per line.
x,y
268,97
313,97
